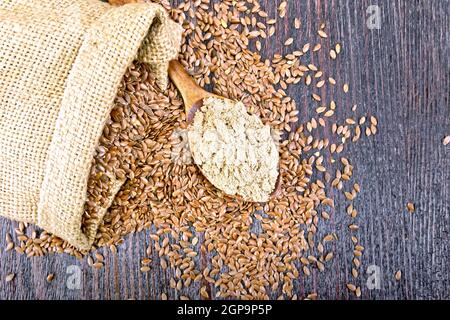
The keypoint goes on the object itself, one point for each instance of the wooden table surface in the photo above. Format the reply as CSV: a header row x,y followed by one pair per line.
x,y
400,73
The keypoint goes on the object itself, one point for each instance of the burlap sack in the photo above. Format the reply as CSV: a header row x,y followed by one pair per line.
x,y
61,62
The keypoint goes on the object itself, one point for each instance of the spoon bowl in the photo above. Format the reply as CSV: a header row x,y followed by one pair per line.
x,y
193,96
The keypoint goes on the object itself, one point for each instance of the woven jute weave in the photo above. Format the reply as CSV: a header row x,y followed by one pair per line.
x,y
61,63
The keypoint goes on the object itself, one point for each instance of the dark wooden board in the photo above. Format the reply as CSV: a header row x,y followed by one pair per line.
x,y
399,73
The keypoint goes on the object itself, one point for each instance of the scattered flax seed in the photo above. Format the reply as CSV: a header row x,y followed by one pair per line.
x,y
320,248
163,296
99,257
321,109
10,277
317,47
332,105
348,195
312,296
316,97
163,264
357,133
297,23
350,209
312,67
145,268
203,293
258,45
333,54
113,249
305,48
322,33
358,292
50,277
373,129
306,271
320,266
362,120
325,215
337,48
351,287
282,6
353,227
446,140
172,283
398,275
9,246
288,42
345,87
331,81
411,207
263,14
350,121
354,273
323,124
373,120
329,113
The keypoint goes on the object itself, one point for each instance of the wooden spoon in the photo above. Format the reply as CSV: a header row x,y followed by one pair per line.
x,y
193,96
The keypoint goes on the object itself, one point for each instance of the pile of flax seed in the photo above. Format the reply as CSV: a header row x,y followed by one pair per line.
x,y
254,250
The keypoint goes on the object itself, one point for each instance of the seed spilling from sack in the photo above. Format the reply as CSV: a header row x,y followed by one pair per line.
x,y
235,150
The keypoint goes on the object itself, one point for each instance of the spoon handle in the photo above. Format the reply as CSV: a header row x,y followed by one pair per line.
x,y
186,85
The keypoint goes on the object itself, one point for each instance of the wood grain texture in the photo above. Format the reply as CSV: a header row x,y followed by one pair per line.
x,y
399,73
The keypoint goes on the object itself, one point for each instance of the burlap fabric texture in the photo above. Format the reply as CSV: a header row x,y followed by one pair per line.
x,y
61,62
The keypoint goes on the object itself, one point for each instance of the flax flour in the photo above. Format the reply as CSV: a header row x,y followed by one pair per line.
x,y
235,151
